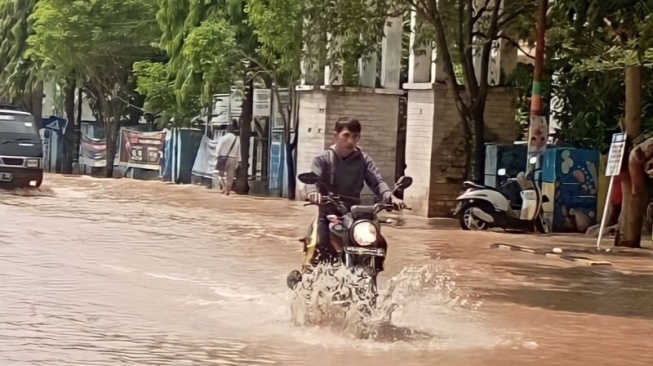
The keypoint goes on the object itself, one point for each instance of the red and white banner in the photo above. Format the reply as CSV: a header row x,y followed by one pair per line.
x,y
141,149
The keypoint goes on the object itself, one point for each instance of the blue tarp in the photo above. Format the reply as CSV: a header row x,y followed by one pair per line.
x,y
179,154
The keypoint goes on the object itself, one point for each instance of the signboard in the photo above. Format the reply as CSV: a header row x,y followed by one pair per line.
x,y
616,155
613,168
280,106
141,149
220,109
235,103
262,105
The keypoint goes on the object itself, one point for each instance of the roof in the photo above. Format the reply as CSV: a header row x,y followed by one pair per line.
x,y
10,111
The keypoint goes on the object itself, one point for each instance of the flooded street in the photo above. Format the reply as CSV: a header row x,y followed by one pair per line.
x,y
108,272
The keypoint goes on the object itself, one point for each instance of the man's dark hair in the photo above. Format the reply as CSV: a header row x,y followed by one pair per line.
x,y
352,124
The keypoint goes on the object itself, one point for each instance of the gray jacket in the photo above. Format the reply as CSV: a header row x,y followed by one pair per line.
x,y
347,176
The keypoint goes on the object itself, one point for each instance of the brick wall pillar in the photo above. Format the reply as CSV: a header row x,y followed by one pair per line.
x,y
434,144
378,111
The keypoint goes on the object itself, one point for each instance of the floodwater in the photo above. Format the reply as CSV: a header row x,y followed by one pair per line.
x,y
109,272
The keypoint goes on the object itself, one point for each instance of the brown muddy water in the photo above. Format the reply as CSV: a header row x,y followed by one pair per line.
x,y
121,272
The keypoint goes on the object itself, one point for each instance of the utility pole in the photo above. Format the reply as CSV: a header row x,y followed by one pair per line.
x,y
538,132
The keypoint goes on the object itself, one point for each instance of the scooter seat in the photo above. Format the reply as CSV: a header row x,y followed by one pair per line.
x,y
470,184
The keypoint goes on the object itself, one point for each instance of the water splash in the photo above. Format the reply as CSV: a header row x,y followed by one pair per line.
x,y
43,191
334,297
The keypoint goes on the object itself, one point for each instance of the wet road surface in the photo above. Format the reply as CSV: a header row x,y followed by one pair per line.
x,y
108,272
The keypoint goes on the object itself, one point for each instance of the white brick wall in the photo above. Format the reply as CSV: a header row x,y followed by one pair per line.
x,y
378,114
419,140
312,134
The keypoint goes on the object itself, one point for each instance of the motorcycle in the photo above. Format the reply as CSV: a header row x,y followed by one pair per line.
x,y
516,205
355,235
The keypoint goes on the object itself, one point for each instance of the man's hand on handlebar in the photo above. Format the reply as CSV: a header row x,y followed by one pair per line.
x,y
314,198
397,203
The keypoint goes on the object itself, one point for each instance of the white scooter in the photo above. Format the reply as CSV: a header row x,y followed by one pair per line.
x,y
516,205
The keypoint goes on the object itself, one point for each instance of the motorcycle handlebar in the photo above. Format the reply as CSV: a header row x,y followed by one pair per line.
x,y
378,206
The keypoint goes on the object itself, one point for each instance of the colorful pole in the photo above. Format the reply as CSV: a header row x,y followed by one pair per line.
x,y
538,132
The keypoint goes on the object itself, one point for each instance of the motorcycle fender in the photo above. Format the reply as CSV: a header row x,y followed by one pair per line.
x,y
482,215
310,242
495,198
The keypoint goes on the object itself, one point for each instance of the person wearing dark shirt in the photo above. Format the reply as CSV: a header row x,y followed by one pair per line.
x,y
344,168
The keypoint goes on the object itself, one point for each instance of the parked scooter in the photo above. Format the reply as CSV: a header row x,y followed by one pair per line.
x,y
516,205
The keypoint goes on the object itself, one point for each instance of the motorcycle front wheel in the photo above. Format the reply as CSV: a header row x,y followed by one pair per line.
x,y
467,221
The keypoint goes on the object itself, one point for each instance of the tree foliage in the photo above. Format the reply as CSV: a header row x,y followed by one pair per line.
x,y
615,36
460,29
202,40
17,72
96,43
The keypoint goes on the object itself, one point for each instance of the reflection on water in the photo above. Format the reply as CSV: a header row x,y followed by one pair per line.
x,y
106,272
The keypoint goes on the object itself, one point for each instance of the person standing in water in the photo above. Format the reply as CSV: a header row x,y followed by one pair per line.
x,y
228,151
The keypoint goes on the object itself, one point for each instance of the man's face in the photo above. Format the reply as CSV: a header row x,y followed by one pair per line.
x,y
346,140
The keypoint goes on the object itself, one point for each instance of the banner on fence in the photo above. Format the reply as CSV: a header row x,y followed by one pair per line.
x,y
207,157
141,149
92,151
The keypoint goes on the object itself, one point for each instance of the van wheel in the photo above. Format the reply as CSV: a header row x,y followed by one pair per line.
x,y
467,220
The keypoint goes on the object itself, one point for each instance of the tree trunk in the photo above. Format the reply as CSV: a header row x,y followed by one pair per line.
x,y
111,131
242,187
629,233
69,133
80,111
479,143
37,104
106,113
291,144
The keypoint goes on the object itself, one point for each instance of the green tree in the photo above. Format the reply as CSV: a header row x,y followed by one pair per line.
x,y
96,44
17,73
205,41
615,36
459,27
266,44
278,27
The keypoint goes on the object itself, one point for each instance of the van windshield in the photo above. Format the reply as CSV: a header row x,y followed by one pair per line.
x,y
17,123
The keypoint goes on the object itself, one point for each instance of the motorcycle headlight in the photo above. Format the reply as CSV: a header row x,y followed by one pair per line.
x,y
364,233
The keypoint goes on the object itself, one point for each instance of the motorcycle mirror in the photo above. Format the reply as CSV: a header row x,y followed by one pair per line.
x,y
309,178
533,160
406,182
501,172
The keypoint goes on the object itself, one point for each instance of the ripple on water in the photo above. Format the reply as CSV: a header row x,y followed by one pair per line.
x,y
139,281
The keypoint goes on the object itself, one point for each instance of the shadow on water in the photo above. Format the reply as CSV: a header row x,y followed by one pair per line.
x,y
391,333
601,291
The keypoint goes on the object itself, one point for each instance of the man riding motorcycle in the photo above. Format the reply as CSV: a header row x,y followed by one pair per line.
x,y
343,168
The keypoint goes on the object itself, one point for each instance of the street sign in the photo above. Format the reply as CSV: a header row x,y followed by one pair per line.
x,y
262,107
613,168
616,155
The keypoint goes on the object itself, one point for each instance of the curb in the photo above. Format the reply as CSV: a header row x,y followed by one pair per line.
x,y
550,254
